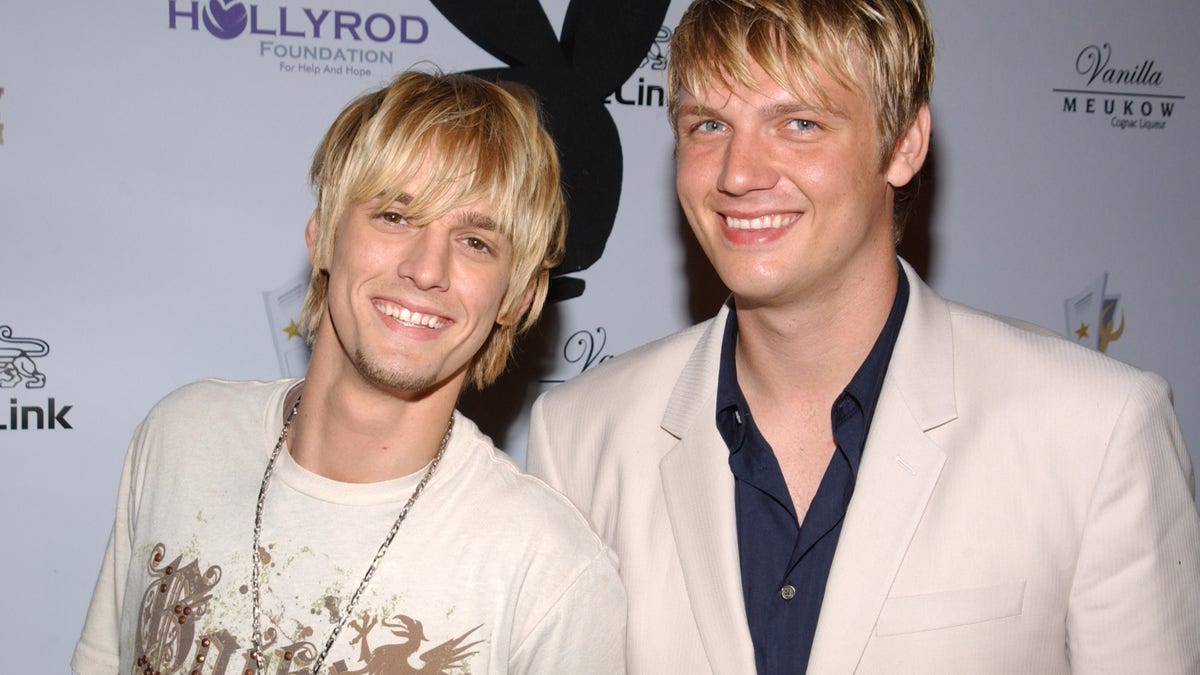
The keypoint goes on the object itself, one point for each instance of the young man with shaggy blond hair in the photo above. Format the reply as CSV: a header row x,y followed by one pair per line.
x,y
352,521
843,471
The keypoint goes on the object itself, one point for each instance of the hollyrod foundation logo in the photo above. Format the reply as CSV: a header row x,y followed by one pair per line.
x,y
300,37
1128,94
224,20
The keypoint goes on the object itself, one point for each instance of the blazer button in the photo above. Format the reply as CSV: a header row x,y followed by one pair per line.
x,y
787,592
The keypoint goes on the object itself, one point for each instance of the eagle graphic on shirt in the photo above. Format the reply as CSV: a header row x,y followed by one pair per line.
x,y
170,637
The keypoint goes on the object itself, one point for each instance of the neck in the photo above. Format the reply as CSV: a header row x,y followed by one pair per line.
x,y
349,430
809,351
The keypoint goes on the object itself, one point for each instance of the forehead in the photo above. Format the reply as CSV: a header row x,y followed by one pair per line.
x,y
438,188
819,91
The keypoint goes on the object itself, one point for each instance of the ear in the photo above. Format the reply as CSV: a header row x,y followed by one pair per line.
x,y
310,237
909,154
515,317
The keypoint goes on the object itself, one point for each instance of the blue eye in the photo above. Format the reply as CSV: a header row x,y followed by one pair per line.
x,y
709,125
803,125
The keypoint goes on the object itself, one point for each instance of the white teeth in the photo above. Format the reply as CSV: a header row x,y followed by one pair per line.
x,y
760,223
407,316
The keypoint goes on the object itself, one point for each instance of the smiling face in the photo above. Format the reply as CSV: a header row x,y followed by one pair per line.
x,y
409,304
463,141
785,194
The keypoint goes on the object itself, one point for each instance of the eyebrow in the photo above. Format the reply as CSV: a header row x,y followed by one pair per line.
x,y
774,110
694,109
472,219
478,220
781,109
403,199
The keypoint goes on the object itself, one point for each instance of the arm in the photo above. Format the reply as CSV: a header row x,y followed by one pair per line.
x,y
1135,598
583,631
98,649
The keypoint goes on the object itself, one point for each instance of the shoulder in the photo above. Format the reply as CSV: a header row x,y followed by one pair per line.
x,y
214,398
211,413
522,506
1012,372
558,577
993,358
1025,353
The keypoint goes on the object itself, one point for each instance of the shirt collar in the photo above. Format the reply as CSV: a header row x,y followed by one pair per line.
x,y
864,387
867,383
731,404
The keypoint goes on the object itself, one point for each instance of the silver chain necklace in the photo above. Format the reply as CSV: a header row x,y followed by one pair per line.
x,y
256,637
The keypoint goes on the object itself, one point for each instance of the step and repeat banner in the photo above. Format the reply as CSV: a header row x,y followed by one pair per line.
x,y
153,197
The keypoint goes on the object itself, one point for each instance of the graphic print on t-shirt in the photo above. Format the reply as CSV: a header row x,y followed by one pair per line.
x,y
179,631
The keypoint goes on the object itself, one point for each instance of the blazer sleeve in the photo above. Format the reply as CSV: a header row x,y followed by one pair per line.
x,y
541,458
1135,597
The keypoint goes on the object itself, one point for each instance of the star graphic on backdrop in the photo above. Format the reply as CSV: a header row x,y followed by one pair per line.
x,y
292,330
1082,332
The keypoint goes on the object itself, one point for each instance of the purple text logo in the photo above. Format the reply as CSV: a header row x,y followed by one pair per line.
x,y
227,19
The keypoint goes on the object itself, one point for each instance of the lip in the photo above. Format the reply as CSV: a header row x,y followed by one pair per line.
x,y
409,315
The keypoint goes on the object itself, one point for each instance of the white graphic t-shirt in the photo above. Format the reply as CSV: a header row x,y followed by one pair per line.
x,y
491,572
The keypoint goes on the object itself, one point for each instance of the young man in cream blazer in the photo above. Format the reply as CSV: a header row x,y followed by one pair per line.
x,y
844,472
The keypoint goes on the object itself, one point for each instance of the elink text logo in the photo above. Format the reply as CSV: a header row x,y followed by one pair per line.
x,y
643,93
291,34
19,372
1128,95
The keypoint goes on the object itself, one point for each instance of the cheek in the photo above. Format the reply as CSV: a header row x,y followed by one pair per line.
x,y
485,290
692,172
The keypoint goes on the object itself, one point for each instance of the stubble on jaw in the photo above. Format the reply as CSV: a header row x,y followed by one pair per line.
x,y
397,381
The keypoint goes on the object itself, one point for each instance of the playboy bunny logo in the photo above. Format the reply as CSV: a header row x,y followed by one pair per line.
x,y
603,43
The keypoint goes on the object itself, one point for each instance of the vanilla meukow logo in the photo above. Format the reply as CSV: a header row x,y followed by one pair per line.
x,y
228,19
1119,91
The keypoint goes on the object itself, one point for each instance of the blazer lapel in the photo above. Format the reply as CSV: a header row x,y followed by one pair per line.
x,y
698,487
899,471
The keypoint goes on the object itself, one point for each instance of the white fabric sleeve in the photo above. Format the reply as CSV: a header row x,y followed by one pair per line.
x,y
583,632
98,649
1135,599
539,456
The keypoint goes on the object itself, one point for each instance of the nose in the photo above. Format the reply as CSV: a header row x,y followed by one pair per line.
x,y
746,165
426,259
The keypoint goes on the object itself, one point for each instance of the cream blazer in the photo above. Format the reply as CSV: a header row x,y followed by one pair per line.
x,y
1024,505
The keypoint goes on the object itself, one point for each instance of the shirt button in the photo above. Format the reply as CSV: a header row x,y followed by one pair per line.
x,y
787,592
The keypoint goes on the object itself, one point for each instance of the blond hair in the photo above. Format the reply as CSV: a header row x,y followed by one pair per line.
x,y
794,40
477,140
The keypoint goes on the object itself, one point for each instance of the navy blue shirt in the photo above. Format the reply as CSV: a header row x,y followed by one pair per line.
x,y
784,563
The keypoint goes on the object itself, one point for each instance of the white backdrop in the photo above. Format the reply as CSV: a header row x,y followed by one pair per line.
x,y
152,189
